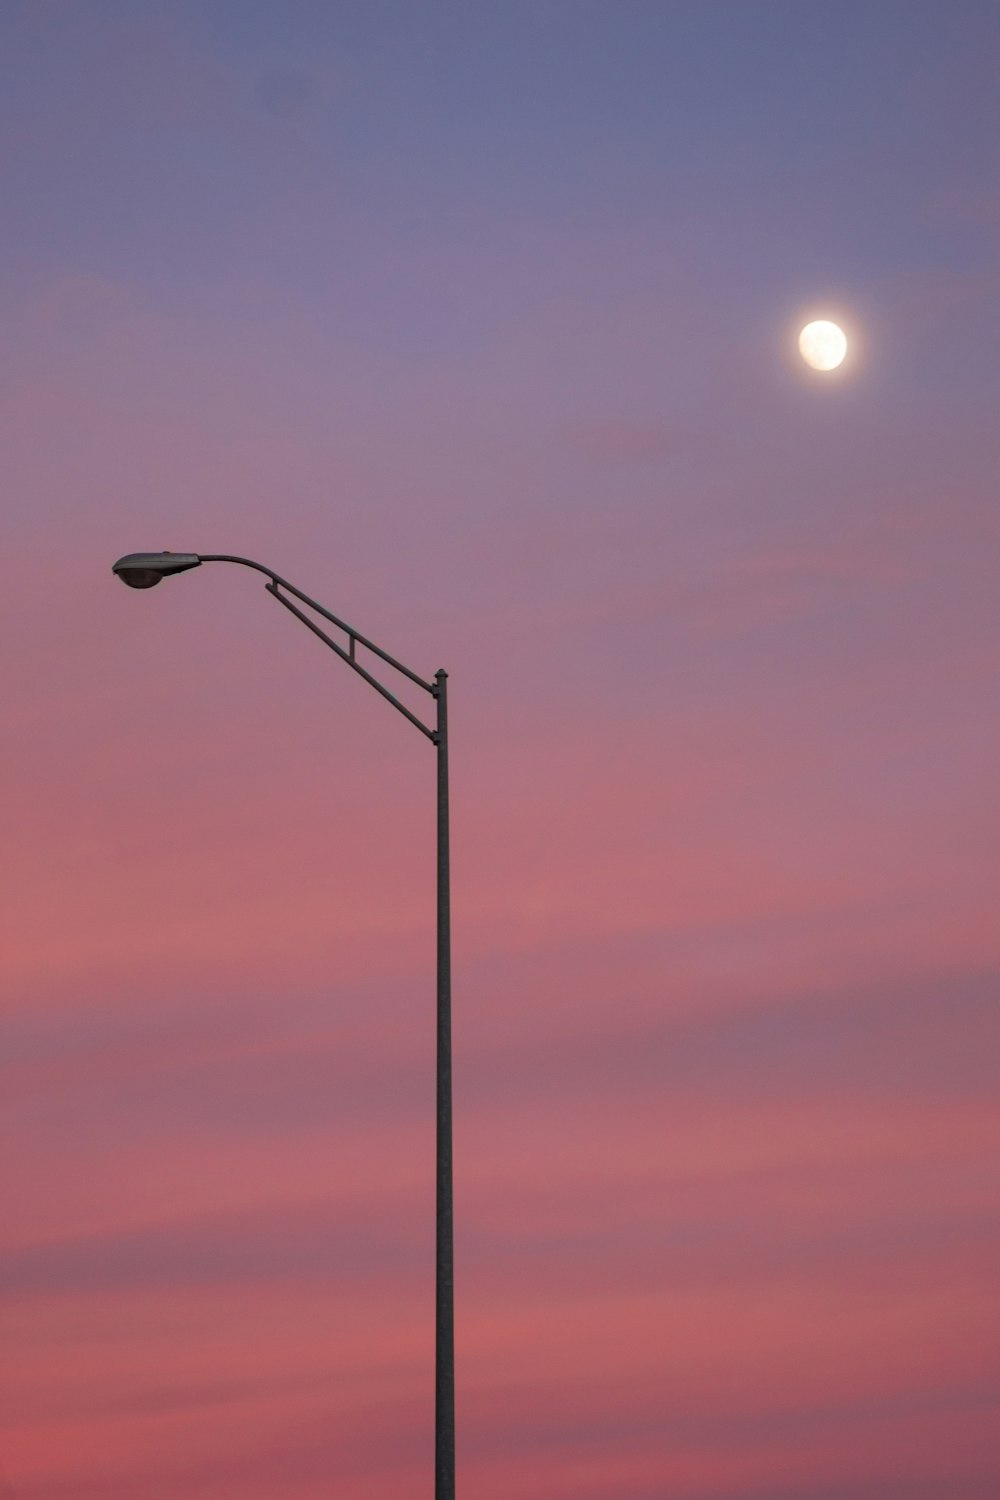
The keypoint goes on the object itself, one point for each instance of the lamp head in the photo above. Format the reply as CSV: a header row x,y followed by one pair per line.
x,y
141,570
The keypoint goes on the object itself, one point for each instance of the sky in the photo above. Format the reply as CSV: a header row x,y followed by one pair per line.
x,y
477,321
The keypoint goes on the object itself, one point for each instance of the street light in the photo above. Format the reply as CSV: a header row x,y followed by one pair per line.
x,y
143,570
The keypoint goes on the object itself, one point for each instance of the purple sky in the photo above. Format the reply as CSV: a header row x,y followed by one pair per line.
x,y
478,322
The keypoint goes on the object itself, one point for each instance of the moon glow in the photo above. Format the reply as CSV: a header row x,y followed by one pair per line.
x,y
823,345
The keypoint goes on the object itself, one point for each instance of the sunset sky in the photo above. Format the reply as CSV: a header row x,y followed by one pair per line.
x,y
477,319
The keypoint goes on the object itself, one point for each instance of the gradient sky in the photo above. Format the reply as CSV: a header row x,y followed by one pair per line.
x,y
477,321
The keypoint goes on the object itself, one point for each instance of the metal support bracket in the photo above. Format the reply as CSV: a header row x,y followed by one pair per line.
x,y
349,655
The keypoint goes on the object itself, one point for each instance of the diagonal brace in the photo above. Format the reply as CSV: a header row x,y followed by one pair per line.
x,y
349,657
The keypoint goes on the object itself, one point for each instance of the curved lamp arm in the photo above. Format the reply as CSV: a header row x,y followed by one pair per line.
x,y
141,570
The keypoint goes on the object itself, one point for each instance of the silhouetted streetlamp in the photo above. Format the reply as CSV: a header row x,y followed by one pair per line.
x,y
141,570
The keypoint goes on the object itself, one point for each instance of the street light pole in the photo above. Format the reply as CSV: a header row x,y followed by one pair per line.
x,y
142,570
444,1361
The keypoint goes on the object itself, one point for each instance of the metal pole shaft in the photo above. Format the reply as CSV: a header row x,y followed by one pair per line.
x,y
444,1405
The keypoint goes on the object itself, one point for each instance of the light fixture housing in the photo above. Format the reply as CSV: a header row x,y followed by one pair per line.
x,y
143,570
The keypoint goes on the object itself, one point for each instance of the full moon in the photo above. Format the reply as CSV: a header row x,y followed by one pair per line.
x,y
823,345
